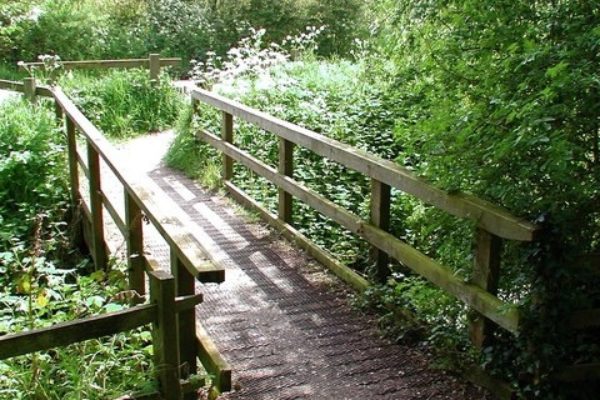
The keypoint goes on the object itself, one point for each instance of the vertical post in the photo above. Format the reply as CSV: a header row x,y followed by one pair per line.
x,y
154,60
227,135
73,167
99,249
164,332
29,89
135,245
186,320
286,167
380,217
486,271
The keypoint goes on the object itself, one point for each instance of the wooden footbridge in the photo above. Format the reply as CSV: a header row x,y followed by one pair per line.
x,y
272,324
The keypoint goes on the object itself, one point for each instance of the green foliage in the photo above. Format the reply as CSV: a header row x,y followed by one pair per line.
x,y
31,169
124,103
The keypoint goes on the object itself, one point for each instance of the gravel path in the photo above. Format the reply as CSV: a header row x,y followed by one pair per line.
x,y
282,322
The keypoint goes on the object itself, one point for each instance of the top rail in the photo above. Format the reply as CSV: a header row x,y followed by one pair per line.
x,y
488,216
20,87
91,64
153,202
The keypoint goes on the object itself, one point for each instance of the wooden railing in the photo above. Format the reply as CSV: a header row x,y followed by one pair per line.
x,y
153,63
179,339
494,224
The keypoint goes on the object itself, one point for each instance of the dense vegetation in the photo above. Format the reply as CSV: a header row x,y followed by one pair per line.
x,y
497,98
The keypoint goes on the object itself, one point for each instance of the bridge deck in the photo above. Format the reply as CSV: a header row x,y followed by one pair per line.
x,y
283,323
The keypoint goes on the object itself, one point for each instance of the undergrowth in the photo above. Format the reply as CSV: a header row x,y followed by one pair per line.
x,y
45,280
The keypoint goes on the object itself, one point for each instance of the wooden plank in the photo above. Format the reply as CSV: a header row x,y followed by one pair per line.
x,y
126,63
346,274
585,319
98,250
12,85
29,89
114,214
150,264
380,217
490,217
227,135
186,320
503,314
212,360
486,275
165,337
83,166
134,239
285,167
579,373
67,333
184,303
500,389
155,204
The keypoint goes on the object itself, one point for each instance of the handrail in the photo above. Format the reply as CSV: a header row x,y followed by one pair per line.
x,y
90,64
192,254
490,217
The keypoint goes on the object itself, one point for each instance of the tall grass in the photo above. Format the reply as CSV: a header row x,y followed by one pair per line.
x,y
124,103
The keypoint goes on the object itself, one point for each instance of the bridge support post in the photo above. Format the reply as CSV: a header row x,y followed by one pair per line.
x,y
286,167
98,244
186,321
164,332
486,273
227,135
135,245
380,217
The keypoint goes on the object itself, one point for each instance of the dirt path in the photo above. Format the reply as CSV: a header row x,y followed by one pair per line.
x,y
283,323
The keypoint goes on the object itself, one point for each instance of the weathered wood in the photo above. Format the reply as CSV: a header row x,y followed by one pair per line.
x,y
134,238
154,203
585,319
154,66
286,167
67,333
212,360
579,373
98,250
503,314
73,171
346,274
165,337
29,89
186,320
126,63
486,274
500,389
20,87
184,303
380,217
490,217
114,214
227,135
150,264
192,384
